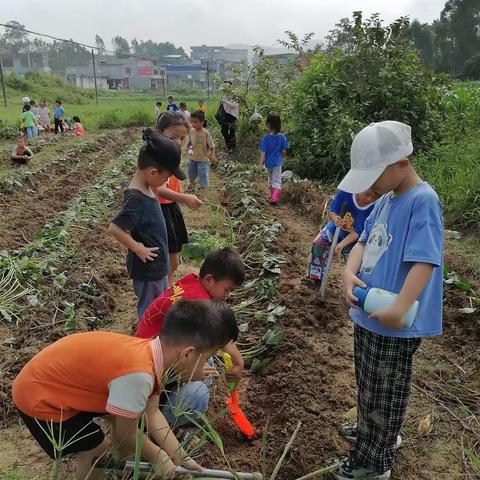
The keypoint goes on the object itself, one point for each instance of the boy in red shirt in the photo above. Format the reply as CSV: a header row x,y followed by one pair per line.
x,y
221,272
86,375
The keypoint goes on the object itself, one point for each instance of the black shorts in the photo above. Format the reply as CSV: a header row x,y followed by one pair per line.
x,y
176,230
78,434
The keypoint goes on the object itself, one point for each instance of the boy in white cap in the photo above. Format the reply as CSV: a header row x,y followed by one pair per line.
x,y
400,250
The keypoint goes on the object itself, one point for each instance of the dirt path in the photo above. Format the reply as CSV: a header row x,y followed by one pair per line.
x,y
25,210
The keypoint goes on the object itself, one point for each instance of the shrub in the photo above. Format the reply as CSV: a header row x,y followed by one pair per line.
x,y
110,119
137,118
336,95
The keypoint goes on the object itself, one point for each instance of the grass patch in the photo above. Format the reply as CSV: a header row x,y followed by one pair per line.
x,y
116,108
453,169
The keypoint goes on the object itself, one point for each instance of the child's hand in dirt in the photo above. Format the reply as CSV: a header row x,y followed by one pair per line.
x,y
145,254
235,375
192,201
391,317
209,371
350,281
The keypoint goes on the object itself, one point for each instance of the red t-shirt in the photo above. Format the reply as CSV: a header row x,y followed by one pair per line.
x,y
188,287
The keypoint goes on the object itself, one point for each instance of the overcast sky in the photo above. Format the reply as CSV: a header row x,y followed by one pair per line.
x,y
196,22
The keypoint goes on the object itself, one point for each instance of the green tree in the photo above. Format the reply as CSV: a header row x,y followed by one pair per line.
x,y
100,44
120,45
458,33
14,38
423,40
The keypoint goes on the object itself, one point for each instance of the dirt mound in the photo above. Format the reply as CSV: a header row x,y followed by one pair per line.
x,y
307,197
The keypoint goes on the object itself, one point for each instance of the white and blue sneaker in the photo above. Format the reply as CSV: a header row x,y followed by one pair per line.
x,y
349,432
348,470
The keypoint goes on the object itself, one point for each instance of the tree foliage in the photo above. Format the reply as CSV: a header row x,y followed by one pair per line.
x,y
160,51
378,77
120,45
100,44
458,34
423,41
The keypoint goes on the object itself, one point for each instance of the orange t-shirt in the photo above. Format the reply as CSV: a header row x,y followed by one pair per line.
x,y
173,183
75,374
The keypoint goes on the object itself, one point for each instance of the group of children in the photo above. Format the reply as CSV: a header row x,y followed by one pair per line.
x,y
172,107
398,246
36,120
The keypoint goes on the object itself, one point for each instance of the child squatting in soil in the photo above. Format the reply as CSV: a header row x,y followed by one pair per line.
x,y
140,225
273,149
358,208
87,375
400,250
174,126
21,154
221,272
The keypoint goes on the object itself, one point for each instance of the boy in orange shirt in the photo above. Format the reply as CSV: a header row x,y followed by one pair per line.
x,y
87,375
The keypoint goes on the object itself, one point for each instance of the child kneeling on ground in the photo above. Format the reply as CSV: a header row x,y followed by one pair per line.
x,y
88,375
358,208
221,272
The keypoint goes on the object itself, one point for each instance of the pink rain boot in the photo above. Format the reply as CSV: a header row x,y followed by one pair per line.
x,y
277,192
270,189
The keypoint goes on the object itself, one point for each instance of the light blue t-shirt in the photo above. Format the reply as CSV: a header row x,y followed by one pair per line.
x,y
401,231
355,215
273,146
58,112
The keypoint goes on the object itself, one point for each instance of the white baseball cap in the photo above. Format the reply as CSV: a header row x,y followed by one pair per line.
x,y
25,100
373,150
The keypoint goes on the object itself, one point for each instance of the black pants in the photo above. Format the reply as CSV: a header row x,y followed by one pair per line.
x,y
228,132
58,124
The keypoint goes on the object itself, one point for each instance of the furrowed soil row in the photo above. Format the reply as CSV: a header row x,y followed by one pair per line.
x,y
25,209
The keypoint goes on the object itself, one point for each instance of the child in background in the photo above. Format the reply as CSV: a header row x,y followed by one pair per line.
x,y
29,122
203,108
171,107
78,129
185,112
201,150
21,154
44,116
158,111
400,250
221,272
25,101
273,149
359,207
61,390
174,126
140,225
58,116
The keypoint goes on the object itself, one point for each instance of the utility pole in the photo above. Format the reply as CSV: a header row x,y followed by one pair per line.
x,y
3,83
163,81
208,79
95,77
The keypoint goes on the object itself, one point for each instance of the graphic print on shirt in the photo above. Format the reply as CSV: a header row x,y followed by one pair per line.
x,y
377,244
349,221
